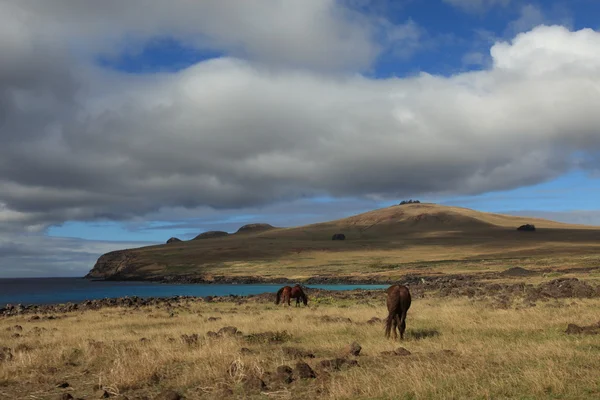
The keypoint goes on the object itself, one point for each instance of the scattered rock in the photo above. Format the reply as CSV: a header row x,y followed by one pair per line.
x,y
210,319
64,396
400,351
5,354
253,383
284,374
190,340
102,394
304,371
228,331
353,349
63,385
338,236
17,328
212,334
168,395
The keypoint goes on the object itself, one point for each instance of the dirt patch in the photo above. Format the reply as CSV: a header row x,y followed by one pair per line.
x,y
268,337
518,272
573,329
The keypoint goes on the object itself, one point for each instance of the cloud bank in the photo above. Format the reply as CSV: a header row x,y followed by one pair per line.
x,y
83,143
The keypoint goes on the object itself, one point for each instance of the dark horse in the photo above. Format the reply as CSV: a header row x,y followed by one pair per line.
x,y
398,303
287,292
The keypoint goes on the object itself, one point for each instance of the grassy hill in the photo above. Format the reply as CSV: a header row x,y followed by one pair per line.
x,y
380,245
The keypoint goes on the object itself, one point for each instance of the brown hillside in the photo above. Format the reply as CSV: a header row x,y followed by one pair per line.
x,y
396,239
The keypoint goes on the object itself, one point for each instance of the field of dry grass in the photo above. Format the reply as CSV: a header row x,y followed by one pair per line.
x,y
460,348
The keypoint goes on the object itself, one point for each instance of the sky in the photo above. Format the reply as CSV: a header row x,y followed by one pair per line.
x,y
125,123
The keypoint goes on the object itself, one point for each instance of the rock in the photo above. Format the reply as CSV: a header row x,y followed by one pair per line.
x,y
190,340
284,374
228,331
253,383
304,371
352,349
400,351
63,385
64,396
173,240
5,354
245,350
168,395
102,394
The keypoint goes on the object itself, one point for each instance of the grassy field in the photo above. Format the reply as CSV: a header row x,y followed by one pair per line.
x,y
380,245
461,348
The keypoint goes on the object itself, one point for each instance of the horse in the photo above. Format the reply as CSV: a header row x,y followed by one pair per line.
x,y
287,292
398,303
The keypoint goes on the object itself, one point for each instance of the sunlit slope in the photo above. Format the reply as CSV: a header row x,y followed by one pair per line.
x,y
395,235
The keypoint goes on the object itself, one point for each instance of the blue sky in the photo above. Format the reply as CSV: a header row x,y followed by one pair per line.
x,y
191,117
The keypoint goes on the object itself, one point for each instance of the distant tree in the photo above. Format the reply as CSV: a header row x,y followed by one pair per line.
x,y
338,236
411,201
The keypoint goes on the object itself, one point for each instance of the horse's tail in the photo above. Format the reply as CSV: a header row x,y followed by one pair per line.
x,y
279,295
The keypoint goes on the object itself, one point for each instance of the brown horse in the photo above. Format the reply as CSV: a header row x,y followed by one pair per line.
x,y
398,303
287,292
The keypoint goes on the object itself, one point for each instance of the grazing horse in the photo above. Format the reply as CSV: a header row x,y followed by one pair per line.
x,y
398,303
287,292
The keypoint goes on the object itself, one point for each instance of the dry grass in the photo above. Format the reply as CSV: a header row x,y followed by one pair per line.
x,y
520,353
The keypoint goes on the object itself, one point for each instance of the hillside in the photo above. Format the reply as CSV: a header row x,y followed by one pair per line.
x,y
380,245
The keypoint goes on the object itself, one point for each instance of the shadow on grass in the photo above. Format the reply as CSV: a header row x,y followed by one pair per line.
x,y
419,334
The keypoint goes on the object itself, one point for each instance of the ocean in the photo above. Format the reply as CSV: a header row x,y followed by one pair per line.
x,y
63,290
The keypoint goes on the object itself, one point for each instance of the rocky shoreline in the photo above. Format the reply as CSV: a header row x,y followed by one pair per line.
x,y
503,294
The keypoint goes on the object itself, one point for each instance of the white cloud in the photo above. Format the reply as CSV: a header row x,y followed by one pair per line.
x,y
320,34
81,143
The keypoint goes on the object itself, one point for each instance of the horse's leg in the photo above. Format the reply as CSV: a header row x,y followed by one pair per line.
x,y
394,327
402,325
289,297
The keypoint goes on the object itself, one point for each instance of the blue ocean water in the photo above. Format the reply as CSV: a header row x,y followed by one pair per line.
x,y
62,290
